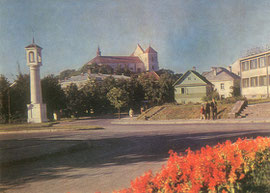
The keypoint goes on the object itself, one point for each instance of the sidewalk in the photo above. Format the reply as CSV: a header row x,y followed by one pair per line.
x,y
134,121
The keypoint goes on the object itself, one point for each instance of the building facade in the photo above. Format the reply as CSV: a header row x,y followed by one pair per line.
x,y
191,87
139,61
223,80
254,72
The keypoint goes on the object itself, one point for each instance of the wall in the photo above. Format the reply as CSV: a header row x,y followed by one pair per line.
x,y
227,87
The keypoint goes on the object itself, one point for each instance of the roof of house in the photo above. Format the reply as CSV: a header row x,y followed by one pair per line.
x,y
222,75
150,50
115,59
184,76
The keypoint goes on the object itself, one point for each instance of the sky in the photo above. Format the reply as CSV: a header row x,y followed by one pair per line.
x,y
185,33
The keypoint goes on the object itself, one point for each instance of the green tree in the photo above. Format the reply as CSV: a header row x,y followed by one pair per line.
x,y
20,97
151,89
166,88
236,92
74,100
66,74
136,93
53,95
118,97
4,89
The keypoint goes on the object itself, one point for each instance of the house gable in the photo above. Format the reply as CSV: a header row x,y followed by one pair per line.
x,y
191,78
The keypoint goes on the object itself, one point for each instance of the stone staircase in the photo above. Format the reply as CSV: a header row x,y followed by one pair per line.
x,y
148,114
261,110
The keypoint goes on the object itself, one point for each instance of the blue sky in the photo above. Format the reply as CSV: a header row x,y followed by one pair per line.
x,y
186,33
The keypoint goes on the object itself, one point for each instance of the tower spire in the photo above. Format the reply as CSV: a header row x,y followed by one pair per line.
x,y
98,51
33,40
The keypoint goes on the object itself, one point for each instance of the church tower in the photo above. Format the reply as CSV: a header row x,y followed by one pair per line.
x,y
37,112
152,59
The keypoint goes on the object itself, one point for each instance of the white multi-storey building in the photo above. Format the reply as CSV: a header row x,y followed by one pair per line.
x,y
254,72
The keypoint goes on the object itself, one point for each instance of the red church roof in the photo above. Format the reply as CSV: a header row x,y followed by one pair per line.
x,y
115,60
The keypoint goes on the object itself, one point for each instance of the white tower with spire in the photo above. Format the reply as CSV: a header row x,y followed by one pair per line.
x,y
37,112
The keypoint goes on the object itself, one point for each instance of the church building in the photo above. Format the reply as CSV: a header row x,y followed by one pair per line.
x,y
139,61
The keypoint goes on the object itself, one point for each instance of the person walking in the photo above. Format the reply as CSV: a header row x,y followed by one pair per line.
x,y
131,113
214,109
207,110
202,112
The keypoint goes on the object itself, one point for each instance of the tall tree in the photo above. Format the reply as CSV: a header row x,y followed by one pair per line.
x,y
53,95
20,97
4,101
166,88
74,100
151,89
118,97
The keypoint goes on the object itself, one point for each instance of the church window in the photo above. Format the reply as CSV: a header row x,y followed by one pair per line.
x,y
31,57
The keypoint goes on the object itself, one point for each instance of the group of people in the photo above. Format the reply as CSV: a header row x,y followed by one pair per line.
x,y
208,109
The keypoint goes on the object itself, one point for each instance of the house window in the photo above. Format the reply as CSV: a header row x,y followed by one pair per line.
x,y
189,78
245,66
182,90
222,86
262,81
261,62
222,96
31,57
253,64
245,82
253,81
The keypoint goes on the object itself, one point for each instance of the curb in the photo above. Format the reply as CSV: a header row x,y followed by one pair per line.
x,y
43,130
226,121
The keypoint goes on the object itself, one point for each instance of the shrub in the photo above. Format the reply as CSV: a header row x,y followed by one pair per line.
x,y
227,167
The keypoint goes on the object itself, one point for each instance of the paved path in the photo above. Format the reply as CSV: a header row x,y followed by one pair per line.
x,y
104,160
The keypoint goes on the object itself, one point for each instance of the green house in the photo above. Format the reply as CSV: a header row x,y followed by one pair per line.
x,y
191,87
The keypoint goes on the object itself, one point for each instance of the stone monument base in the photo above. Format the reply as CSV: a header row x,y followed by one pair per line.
x,y
37,113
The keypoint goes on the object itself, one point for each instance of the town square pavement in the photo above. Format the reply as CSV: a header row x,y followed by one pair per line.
x,y
106,159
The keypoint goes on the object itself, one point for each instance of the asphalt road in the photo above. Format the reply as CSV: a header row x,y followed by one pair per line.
x,y
108,159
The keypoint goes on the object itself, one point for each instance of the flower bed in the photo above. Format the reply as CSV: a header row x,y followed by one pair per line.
x,y
242,166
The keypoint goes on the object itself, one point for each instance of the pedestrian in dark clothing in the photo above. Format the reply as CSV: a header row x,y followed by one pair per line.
x,y
207,110
214,109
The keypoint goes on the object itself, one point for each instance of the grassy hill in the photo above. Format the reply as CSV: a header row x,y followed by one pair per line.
x,y
188,111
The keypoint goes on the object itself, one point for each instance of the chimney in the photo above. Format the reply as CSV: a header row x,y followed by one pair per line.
x,y
194,68
230,68
214,69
